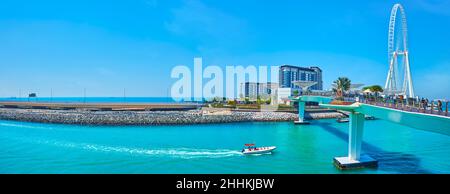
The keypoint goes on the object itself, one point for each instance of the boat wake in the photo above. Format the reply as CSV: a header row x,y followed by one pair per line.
x,y
23,126
185,153
154,152
171,152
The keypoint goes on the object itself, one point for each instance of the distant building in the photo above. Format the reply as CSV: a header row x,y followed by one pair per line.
x,y
253,90
284,94
289,74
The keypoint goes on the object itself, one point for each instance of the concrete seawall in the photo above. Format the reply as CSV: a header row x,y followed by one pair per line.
x,y
148,117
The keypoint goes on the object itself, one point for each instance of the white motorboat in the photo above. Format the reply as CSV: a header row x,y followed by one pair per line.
x,y
342,120
251,149
370,117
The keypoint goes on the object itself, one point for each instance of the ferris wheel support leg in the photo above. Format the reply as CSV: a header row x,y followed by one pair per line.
x,y
410,84
389,79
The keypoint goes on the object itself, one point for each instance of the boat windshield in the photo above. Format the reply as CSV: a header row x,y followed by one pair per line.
x,y
250,146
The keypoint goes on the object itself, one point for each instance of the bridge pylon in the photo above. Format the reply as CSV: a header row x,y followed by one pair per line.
x,y
355,159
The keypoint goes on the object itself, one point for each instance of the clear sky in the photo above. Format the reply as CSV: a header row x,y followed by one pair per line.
x,y
106,45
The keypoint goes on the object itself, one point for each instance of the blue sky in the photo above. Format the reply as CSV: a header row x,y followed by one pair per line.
x,y
105,46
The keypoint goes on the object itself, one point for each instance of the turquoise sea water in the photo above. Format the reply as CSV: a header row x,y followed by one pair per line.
x,y
214,148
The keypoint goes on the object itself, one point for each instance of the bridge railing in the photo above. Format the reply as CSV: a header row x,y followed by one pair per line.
x,y
411,105
433,107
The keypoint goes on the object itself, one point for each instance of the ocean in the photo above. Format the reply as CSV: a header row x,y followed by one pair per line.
x,y
215,148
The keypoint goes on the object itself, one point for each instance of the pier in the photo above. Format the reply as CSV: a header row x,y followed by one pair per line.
x,y
102,106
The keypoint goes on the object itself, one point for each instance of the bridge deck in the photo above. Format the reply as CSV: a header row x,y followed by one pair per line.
x,y
431,109
402,107
423,121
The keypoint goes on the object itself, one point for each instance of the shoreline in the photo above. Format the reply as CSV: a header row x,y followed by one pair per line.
x,y
140,118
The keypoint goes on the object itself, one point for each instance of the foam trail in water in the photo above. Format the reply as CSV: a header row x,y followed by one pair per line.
x,y
158,152
23,126
186,153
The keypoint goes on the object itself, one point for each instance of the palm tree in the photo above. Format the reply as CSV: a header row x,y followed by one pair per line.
x,y
375,88
342,84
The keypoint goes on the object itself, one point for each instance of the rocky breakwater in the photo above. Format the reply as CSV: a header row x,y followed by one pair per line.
x,y
142,117
137,118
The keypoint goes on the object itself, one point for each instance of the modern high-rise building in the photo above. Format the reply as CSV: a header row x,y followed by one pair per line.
x,y
289,74
252,89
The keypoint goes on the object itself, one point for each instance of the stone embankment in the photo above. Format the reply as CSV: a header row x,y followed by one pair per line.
x,y
84,117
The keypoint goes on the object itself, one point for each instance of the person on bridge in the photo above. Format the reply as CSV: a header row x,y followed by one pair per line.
x,y
439,105
424,106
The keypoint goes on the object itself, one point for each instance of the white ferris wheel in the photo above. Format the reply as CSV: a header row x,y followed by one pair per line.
x,y
398,81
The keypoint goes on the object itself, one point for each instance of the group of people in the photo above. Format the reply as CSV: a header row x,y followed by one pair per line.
x,y
423,103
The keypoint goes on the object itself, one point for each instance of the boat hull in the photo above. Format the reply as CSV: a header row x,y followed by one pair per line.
x,y
262,150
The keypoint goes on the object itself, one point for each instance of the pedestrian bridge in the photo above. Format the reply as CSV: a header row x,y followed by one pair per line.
x,y
428,122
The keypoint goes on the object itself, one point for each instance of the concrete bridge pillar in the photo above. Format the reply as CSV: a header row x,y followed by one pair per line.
x,y
355,134
301,113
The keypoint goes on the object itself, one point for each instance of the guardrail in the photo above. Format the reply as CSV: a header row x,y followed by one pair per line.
x,y
412,105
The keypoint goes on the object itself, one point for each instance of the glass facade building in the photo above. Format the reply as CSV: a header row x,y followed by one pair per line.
x,y
253,90
288,74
